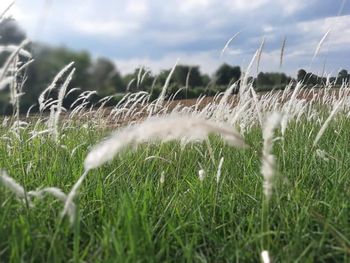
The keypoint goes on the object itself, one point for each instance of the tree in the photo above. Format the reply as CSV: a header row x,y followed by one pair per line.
x,y
10,32
311,79
48,61
343,76
105,78
205,80
301,75
263,80
226,74
190,74
272,80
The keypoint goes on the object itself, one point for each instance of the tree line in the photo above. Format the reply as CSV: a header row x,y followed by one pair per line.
x,y
102,75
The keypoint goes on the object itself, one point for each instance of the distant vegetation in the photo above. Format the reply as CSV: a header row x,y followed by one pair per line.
x,y
102,75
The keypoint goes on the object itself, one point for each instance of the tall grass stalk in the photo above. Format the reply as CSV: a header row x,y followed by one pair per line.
x,y
268,171
228,43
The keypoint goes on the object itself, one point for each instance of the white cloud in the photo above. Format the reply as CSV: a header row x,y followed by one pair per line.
x,y
243,5
189,6
137,8
289,7
173,38
4,4
104,28
339,36
194,30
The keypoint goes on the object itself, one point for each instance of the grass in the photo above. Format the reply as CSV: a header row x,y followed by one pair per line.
x,y
127,215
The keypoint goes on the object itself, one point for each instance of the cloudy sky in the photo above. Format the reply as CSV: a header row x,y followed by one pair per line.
x,y
154,33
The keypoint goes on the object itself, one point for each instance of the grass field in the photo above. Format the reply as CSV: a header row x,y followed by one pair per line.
x,y
126,214
176,185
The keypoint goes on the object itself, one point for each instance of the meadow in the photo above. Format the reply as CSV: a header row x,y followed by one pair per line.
x,y
263,177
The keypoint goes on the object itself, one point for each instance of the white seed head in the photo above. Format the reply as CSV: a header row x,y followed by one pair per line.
x,y
268,160
322,154
265,256
11,184
167,128
201,175
218,174
162,178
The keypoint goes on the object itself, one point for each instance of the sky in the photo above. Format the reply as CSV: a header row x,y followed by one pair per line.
x,y
155,33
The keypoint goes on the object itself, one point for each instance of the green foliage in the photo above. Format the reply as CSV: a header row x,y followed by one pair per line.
x,y
343,76
226,74
301,75
105,78
188,75
272,80
127,215
47,63
10,32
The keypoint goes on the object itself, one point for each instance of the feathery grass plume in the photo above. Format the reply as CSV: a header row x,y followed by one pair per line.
x,y
58,194
228,43
54,191
322,154
267,170
188,79
282,51
157,157
162,178
288,107
218,174
166,128
84,96
41,98
239,111
265,256
61,94
15,91
5,122
326,123
162,94
268,160
257,105
69,206
14,48
11,58
12,185
244,82
3,13
29,110
201,175
319,45
5,82
129,84
144,75
139,77
223,103
71,91
259,54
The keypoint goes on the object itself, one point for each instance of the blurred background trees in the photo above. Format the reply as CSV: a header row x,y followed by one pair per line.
x,y
226,74
10,32
102,74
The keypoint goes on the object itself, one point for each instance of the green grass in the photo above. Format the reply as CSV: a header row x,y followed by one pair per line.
x,y
126,215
